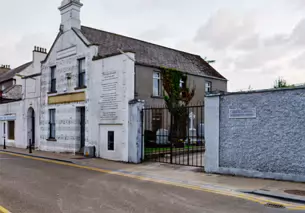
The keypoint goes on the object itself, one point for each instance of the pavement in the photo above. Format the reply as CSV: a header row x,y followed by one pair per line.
x,y
92,185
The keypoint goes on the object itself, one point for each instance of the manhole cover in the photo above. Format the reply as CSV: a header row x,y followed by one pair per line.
x,y
273,205
296,192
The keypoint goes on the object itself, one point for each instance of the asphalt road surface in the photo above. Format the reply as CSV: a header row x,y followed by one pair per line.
x,y
31,186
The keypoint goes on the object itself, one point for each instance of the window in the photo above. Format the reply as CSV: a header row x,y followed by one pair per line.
x,y
111,140
53,80
157,86
81,73
11,130
208,86
52,132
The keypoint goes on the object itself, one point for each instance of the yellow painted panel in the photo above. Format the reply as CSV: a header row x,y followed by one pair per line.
x,y
67,98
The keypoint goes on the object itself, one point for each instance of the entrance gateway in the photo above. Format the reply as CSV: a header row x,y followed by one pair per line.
x,y
175,140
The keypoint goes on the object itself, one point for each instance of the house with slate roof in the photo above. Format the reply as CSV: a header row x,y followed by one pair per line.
x,y
90,80
19,102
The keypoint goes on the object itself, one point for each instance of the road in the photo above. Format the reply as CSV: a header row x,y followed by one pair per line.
x,y
31,186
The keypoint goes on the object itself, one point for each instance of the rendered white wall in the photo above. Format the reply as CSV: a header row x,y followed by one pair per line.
x,y
64,55
101,117
13,108
31,98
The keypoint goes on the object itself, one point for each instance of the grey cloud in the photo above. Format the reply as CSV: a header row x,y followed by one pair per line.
x,y
158,33
276,40
225,32
298,61
249,43
224,28
22,50
258,58
298,33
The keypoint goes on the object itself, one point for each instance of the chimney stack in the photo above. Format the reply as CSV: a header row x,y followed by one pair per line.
x,y
70,15
40,50
39,54
4,69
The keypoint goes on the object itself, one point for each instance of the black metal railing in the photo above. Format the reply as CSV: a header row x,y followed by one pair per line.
x,y
175,137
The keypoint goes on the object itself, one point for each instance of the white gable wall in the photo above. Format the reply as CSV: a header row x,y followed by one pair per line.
x,y
101,117
64,55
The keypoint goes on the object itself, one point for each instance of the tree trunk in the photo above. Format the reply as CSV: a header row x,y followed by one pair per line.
x,y
179,126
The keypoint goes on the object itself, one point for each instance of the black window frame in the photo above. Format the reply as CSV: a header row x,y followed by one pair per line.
x,y
110,140
52,124
81,72
53,79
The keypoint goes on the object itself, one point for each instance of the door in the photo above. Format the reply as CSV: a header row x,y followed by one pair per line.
x,y
3,133
31,128
82,127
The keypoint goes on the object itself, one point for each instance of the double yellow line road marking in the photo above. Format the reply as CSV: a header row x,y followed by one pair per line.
x,y
3,210
259,200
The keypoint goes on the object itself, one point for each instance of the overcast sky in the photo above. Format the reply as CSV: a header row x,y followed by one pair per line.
x,y
253,42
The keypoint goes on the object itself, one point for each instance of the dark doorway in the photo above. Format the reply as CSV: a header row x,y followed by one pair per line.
x,y
82,111
31,127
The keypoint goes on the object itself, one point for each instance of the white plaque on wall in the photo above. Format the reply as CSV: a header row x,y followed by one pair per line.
x,y
242,113
111,96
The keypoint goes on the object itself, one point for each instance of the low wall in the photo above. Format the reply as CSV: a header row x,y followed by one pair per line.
x,y
257,134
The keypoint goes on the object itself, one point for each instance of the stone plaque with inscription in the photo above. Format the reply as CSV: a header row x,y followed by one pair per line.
x,y
111,96
242,113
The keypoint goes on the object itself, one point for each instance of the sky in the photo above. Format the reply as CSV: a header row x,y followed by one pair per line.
x,y
253,42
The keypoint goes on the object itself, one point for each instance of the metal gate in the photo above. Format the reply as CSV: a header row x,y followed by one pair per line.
x,y
174,138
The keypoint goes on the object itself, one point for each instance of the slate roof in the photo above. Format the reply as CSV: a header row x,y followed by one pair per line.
x,y
10,74
149,54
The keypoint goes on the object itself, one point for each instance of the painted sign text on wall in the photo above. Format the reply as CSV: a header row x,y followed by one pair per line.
x,y
242,113
7,117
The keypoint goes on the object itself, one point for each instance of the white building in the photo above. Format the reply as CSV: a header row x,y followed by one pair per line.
x,y
83,92
85,102
20,103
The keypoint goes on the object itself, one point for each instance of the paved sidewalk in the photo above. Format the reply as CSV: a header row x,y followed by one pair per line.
x,y
173,173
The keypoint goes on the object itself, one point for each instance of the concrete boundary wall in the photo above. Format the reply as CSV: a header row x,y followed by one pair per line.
x,y
257,134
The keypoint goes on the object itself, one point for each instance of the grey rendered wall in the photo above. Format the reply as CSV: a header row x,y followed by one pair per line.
x,y
272,145
144,86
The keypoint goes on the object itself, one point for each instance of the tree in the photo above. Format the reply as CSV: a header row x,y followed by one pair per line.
x,y
177,96
281,83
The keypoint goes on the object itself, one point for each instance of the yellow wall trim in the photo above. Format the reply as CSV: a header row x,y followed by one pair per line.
x,y
67,98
